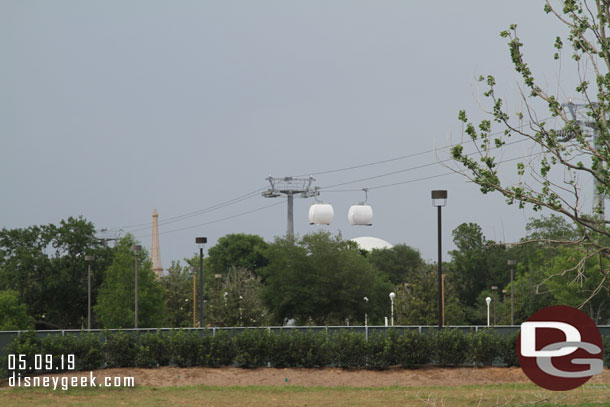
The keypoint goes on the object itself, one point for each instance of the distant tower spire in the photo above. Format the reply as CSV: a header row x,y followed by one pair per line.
x,y
155,250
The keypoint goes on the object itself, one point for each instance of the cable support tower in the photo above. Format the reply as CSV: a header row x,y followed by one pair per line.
x,y
589,128
291,187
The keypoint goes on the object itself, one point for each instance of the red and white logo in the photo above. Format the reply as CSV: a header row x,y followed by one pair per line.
x,y
560,348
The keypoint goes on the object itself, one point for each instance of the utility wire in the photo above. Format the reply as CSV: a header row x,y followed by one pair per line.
x,y
198,212
425,178
178,218
217,220
353,167
409,169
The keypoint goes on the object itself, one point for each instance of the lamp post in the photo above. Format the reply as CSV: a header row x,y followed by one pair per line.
x,y
366,302
494,288
392,295
439,199
136,248
512,264
89,259
488,300
201,241
194,271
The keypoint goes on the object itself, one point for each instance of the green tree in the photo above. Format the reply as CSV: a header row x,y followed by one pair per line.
x,y
116,299
238,301
399,263
178,294
13,315
416,302
568,150
46,266
237,251
477,263
322,279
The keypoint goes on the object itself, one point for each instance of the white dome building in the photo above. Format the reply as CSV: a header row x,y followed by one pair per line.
x,y
370,243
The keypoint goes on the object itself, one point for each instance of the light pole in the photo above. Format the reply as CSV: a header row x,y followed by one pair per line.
x,y
240,312
512,264
392,295
366,302
488,300
89,259
439,199
136,249
201,241
494,288
194,271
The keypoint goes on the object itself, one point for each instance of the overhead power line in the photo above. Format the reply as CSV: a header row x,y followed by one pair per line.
x,y
402,157
198,212
417,167
424,178
217,220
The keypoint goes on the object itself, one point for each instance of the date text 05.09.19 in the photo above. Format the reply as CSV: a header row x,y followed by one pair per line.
x,y
41,362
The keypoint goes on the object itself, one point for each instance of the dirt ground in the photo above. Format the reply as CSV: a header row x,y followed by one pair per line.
x,y
231,376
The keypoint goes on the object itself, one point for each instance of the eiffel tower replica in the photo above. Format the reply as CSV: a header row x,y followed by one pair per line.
x,y
155,249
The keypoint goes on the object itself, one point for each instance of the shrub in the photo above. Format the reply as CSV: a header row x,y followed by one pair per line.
x,y
348,349
451,347
485,347
606,350
508,350
280,345
309,349
252,348
221,350
62,346
121,349
26,343
88,351
413,349
153,350
382,350
185,348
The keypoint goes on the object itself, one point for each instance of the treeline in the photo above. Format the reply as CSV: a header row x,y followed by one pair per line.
x,y
319,279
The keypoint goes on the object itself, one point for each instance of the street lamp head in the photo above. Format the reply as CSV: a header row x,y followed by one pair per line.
x,y
201,240
366,299
511,262
89,258
392,295
439,197
488,300
136,248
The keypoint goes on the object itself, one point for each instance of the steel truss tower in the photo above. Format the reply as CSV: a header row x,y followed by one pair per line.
x,y
588,126
290,187
155,249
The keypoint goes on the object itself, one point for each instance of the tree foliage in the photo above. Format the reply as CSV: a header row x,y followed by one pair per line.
x,y
399,262
178,295
115,306
567,151
238,301
46,266
13,314
237,251
322,279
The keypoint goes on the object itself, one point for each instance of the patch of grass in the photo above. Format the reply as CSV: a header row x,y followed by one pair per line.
x,y
289,395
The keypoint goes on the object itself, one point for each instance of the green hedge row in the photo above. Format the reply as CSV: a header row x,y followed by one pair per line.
x,y
258,347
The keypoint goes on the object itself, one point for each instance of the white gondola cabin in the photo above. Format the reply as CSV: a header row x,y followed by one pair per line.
x,y
360,215
321,214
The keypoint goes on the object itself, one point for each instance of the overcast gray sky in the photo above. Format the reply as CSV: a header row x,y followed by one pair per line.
x,y
109,109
